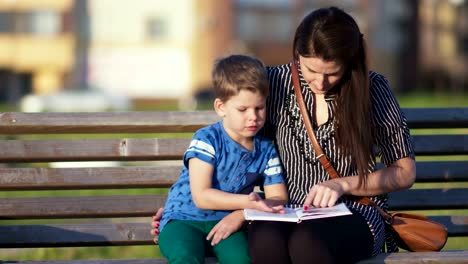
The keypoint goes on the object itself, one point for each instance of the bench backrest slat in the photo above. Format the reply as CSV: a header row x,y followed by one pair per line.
x,y
441,171
89,234
427,199
453,117
144,205
161,176
92,149
164,148
441,144
102,122
80,206
116,234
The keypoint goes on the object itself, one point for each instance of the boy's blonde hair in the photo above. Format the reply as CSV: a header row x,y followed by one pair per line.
x,y
239,72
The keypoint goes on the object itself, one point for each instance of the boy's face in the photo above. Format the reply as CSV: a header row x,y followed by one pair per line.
x,y
243,114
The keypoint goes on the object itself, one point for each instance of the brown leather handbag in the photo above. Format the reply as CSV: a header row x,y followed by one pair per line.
x,y
414,232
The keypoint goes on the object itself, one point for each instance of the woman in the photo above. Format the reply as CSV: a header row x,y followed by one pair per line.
x,y
355,118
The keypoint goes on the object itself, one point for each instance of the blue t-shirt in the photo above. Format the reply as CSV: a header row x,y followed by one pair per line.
x,y
236,170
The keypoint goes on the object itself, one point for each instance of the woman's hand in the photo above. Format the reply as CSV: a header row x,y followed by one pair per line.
x,y
224,228
156,218
324,194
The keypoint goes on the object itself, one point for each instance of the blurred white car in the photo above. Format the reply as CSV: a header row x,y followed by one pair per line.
x,y
75,101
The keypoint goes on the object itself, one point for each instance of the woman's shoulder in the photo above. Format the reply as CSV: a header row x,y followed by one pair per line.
x,y
375,77
378,83
279,70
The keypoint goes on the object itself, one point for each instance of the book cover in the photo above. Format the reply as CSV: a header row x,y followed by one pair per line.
x,y
298,214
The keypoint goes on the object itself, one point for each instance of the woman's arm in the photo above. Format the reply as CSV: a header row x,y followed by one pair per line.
x,y
399,175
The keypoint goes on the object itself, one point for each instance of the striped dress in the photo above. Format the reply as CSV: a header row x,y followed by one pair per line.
x,y
302,171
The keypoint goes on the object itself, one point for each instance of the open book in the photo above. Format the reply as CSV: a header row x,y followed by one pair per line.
x,y
298,214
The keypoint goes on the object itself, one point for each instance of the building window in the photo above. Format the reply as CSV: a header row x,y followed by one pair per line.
x,y
5,22
156,28
44,23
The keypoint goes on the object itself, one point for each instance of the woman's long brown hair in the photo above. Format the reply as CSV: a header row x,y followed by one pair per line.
x,y
332,35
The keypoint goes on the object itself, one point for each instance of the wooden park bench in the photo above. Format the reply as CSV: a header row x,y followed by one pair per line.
x,y
145,149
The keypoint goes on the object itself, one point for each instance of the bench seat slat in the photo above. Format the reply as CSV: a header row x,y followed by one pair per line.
x,y
88,178
446,257
97,261
427,199
105,122
92,149
80,206
208,260
105,234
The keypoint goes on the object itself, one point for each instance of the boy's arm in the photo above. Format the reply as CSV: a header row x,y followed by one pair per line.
x,y
207,197
276,194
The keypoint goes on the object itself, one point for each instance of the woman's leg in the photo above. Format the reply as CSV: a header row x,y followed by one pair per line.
x,y
182,242
344,239
268,242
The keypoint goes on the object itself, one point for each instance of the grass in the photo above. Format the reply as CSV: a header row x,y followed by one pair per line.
x,y
152,251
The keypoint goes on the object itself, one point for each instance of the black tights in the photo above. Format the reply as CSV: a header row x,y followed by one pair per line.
x,y
344,239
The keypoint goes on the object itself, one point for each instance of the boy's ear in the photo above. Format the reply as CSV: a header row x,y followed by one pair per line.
x,y
218,106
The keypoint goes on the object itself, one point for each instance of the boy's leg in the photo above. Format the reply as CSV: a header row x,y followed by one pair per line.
x,y
233,249
183,242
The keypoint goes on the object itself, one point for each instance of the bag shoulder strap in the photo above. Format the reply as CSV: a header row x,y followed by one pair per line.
x,y
318,150
308,125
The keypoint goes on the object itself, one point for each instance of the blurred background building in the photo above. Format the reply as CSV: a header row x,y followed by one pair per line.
x,y
164,50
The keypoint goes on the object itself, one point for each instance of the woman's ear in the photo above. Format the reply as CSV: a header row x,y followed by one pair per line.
x,y
219,107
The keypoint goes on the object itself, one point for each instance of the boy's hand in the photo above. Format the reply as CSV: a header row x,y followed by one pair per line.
x,y
265,205
224,228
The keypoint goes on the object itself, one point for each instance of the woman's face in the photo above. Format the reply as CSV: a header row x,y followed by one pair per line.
x,y
321,75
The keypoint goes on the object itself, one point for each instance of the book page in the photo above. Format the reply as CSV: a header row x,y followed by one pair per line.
x,y
315,212
297,214
289,216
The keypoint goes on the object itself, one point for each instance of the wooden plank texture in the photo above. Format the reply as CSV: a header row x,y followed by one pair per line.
x,y
92,149
164,176
80,206
104,122
441,144
446,257
428,199
162,149
94,261
106,234
452,117
441,171
145,205
88,178
177,121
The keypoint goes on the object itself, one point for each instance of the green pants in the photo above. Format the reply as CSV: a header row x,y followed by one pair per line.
x,y
183,241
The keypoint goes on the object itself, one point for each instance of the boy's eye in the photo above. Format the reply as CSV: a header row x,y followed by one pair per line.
x,y
241,109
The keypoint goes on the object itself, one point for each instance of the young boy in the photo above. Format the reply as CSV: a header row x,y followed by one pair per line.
x,y
221,167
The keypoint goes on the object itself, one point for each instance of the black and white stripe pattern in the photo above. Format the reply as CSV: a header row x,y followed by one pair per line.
x,y
302,171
